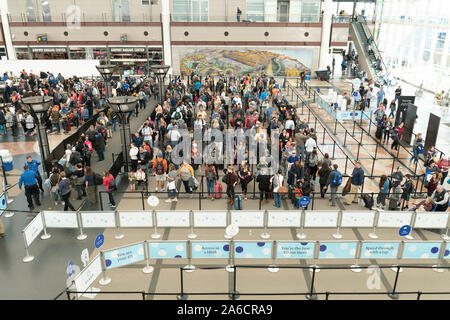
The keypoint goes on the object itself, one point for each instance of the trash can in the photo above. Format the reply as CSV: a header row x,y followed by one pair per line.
x,y
7,159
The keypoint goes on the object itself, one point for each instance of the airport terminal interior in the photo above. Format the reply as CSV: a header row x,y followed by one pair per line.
x,y
224,150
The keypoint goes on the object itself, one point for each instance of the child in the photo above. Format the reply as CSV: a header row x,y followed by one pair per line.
x,y
140,176
132,179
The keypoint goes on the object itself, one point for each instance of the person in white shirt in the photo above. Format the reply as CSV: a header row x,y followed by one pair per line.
x,y
174,136
134,151
29,124
310,144
147,133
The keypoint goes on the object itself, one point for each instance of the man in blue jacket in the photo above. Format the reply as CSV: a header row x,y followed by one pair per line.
x,y
34,166
29,179
357,182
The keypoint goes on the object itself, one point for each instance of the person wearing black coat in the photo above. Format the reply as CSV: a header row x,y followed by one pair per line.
x,y
324,173
100,146
263,180
295,173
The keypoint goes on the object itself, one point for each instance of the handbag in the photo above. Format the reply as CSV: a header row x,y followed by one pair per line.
x,y
282,189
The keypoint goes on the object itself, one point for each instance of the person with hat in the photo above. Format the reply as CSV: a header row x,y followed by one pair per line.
x,y
29,179
357,181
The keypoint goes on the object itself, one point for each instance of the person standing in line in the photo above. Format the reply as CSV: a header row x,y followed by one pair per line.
x,y
408,188
384,191
310,144
91,188
100,146
185,173
65,191
333,182
440,198
80,181
172,184
29,179
211,178
238,14
109,183
357,182
380,96
160,168
277,182
443,165
392,107
417,148
54,181
231,179
324,174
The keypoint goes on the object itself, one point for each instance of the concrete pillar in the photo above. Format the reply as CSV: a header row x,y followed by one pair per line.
x,y
325,57
10,53
165,25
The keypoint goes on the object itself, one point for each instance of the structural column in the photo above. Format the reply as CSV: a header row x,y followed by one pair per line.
x,y
10,54
324,59
165,25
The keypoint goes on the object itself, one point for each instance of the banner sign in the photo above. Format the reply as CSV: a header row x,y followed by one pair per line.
x,y
295,250
284,218
355,219
394,219
86,277
98,219
135,219
379,250
248,218
321,218
210,218
125,255
337,250
172,218
205,250
253,250
447,251
421,250
60,219
33,229
348,115
431,220
167,250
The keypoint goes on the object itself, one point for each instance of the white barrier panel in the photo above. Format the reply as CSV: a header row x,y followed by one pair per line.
x,y
431,220
248,218
421,250
135,219
353,219
210,218
338,250
210,250
447,251
295,250
61,219
321,218
172,218
394,219
98,219
379,250
33,229
167,250
88,275
122,256
284,218
253,250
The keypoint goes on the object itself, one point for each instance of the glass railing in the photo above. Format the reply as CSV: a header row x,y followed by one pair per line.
x,y
253,18
106,17
342,19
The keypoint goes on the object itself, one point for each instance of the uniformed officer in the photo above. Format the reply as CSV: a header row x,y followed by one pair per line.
x,y
34,166
29,179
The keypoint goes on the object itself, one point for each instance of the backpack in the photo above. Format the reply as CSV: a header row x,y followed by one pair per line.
x,y
177,115
112,185
87,152
337,178
98,179
47,183
159,167
75,158
210,176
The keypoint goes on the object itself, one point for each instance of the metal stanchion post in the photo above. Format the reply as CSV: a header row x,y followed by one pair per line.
x,y
192,234
373,234
338,235
316,256
155,234
46,235
436,267
28,257
148,268
105,280
412,222
81,236
118,235
311,295
273,268
399,256
265,234
230,266
392,294
181,296
234,294
355,267
189,267
445,234
301,234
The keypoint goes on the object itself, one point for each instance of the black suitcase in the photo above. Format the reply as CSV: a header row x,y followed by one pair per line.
x,y
393,204
368,201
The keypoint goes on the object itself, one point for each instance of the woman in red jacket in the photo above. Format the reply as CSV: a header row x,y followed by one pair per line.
x,y
108,179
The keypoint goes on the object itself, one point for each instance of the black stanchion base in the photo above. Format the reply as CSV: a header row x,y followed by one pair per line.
x,y
311,296
393,295
236,295
182,297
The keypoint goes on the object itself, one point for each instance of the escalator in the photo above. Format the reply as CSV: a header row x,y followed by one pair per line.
x,y
377,70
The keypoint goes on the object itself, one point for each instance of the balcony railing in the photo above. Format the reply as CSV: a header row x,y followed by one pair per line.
x,y
103,17
345,19
253,18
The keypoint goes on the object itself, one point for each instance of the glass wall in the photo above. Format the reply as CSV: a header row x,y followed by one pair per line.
x,y
413,37
120,10
190,10
30,7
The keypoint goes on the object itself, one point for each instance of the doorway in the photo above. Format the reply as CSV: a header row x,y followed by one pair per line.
x,y
283,11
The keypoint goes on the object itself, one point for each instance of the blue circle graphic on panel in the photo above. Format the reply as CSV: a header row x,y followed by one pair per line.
x,y
304,243
355,93
318,90
239,249
336,105
404,231
226,247
261,244
304,201
177,256
434,250
3,201
99,240
446,253
323,247
108,262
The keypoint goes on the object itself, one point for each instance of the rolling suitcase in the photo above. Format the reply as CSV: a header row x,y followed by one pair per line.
x,y
237,202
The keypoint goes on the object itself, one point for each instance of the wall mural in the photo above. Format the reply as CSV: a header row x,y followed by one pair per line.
x,y
239,62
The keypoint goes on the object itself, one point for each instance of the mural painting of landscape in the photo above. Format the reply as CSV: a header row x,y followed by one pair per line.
x,y
242,61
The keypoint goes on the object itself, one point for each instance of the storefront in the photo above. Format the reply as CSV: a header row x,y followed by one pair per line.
x,y
134,60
